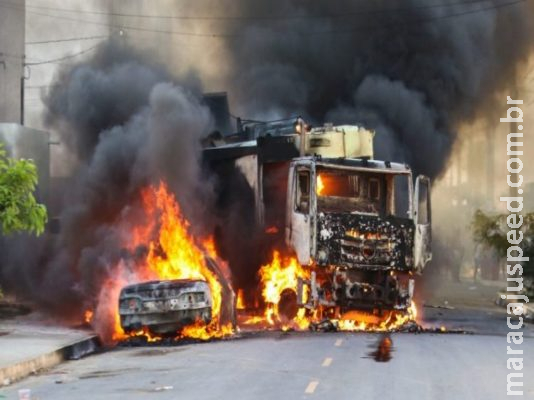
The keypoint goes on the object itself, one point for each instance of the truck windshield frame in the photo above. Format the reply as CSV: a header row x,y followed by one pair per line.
x,y
302,200
363,191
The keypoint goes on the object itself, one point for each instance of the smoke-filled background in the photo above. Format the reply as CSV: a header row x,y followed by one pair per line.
x,y
413,73
130,124
130,112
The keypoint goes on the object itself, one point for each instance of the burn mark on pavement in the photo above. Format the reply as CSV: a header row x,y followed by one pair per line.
x,y
157,352
106,373
383,349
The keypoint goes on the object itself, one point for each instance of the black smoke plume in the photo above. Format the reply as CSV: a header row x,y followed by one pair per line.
x,y
414,70
129,123
411,69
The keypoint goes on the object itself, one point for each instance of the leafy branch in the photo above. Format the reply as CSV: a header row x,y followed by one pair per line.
x,y
491,230
19,210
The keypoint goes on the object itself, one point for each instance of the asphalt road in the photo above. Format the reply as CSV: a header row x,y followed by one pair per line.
x,y
300,365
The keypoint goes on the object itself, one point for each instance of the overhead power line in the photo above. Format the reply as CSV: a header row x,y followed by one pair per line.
x,y
423,20
365,28
11,55
245,120
67,57
40,86
254,17
69,39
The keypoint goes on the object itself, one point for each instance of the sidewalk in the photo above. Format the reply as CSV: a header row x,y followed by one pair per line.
x,y
30,343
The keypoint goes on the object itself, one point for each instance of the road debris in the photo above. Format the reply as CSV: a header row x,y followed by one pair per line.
x,y
384,349
163,388
25,394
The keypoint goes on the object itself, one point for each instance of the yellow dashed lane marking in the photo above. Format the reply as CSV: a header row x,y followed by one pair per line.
x,y
338,342
327,361
311,387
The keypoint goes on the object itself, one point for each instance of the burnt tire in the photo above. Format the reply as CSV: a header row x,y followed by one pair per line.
x,y
287,306
206,316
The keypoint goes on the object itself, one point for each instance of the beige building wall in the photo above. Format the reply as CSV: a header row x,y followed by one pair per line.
x,y
12,21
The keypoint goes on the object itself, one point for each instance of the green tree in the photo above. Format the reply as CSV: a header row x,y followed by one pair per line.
x,y
491,230
19,211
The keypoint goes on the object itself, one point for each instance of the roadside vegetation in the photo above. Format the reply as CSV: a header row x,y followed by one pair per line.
x,y
490,231
19,210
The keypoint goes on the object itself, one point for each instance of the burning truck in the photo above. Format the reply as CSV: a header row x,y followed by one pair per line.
x,y
356,229
348,233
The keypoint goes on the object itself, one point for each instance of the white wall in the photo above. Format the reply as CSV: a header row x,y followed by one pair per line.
x,y
11,59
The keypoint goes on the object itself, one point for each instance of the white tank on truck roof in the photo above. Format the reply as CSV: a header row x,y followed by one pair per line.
x,y
342,141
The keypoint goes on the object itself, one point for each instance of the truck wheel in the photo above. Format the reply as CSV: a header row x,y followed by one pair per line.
x,y
287,306
206,316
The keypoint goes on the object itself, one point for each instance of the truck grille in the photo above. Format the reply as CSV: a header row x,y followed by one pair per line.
x,y
366,251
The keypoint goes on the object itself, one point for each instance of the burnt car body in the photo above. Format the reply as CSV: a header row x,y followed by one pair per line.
x,y
164,307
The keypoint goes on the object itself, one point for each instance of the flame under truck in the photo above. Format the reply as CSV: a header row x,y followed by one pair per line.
x,y
360,227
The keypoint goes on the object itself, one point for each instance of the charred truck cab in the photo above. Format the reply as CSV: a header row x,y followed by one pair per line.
x,y
361,227
358,227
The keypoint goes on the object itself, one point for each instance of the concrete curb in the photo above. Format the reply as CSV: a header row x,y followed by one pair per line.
x,y
73,351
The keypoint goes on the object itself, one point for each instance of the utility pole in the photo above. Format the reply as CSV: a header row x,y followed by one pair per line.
x,y
513,129
490,161
22,95
12,50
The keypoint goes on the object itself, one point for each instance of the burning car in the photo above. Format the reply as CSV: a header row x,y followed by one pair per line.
x,y
166,306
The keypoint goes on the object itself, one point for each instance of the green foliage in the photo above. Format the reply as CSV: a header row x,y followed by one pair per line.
x,y
491,230
19,211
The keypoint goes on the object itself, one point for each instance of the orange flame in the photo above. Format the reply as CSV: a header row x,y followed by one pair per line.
x,y
88,316
202,331
272,230
173,253
183,258
320,185
240,300
209,247
281,274
389,322
145,333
